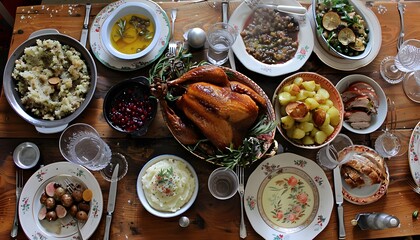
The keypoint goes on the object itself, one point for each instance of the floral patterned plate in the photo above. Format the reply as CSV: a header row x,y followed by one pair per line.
x,y
288,197
368,193
305,36
65,228
413,154
127,65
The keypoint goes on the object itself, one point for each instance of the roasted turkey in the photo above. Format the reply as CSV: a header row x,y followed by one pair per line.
x,y
210,105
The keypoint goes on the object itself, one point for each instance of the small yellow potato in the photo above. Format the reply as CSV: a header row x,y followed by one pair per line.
x,y
308,140
328,129
284,98
306,126
298,133
334,116
320,137
309,85
287,122
329,103
311,103
298,81
307,118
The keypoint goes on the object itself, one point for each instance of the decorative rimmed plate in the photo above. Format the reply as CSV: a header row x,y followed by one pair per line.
x,y
107,59
368,193
377,119
414,152
334,97
306,43
288,197
29,203
142,197
347,64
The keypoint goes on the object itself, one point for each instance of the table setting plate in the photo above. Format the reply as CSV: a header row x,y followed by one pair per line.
x,y
306,43
413,153
65,228
288,197
348,64
102,54
369,193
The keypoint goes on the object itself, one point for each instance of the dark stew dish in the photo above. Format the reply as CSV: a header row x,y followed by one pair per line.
x,y
270,36
342,27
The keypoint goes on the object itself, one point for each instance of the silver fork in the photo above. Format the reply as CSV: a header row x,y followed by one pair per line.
x,y
173,44
19,186
413,185
241,188
71,187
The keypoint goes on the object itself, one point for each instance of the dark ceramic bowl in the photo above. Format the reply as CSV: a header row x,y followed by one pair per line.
x,y
129,108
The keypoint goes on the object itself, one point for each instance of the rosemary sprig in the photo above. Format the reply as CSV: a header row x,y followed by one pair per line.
x,y
165,175
121,27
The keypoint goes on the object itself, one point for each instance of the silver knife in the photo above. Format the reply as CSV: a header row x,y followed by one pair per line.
x,y
83,37
111,201
338,189
225,11
296,10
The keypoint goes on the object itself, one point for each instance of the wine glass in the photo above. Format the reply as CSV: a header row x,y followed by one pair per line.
x,y
409,61
328,156
81,144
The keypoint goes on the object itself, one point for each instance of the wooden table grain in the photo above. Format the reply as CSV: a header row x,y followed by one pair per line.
x,y
210,218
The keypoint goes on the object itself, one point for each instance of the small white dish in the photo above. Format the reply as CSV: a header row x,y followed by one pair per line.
x,y
305,36
347,64
137,8
377,119
26,155
29,204
141,194
102,54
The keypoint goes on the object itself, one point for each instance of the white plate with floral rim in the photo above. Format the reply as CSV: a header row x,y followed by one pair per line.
x,y
414,152
305,37
288,197
348,64
107,59
65,228
370,192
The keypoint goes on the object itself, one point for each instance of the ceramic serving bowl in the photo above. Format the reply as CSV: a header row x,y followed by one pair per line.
x,y
142,190
318,20
128,107
10,84
129,8
330,128
377,119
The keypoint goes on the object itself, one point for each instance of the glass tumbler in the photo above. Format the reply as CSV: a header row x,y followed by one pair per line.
x,y
327,157
220,37
81,144
223,183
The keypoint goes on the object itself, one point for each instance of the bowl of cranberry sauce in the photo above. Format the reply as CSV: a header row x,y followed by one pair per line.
x,y
129,107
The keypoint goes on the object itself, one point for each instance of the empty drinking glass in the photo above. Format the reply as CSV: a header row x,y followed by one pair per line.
x,y
220,38
409,61
81,144
223,183
327,157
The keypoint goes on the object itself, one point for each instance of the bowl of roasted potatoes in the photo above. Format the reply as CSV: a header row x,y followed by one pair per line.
x,y
309,110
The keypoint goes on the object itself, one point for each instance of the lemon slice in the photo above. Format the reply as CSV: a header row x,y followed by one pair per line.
x,y
331,20
346,36
357,45
130,35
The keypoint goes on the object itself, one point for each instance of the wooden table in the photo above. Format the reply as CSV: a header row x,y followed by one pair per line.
x,y
211,218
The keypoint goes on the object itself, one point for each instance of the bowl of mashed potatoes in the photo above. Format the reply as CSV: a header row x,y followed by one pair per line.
x,y
167,186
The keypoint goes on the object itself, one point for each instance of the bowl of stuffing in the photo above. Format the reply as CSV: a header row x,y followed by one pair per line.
x,y
131,31
129,107
342,28
49,80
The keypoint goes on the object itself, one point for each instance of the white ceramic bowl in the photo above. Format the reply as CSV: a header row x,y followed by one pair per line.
x,y
143,199
377,119
121,11
335,97
323,42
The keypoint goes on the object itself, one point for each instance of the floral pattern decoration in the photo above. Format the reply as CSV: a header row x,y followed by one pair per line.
x,y
299,200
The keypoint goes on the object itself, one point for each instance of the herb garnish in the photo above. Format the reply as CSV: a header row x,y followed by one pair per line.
x,y
165,175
